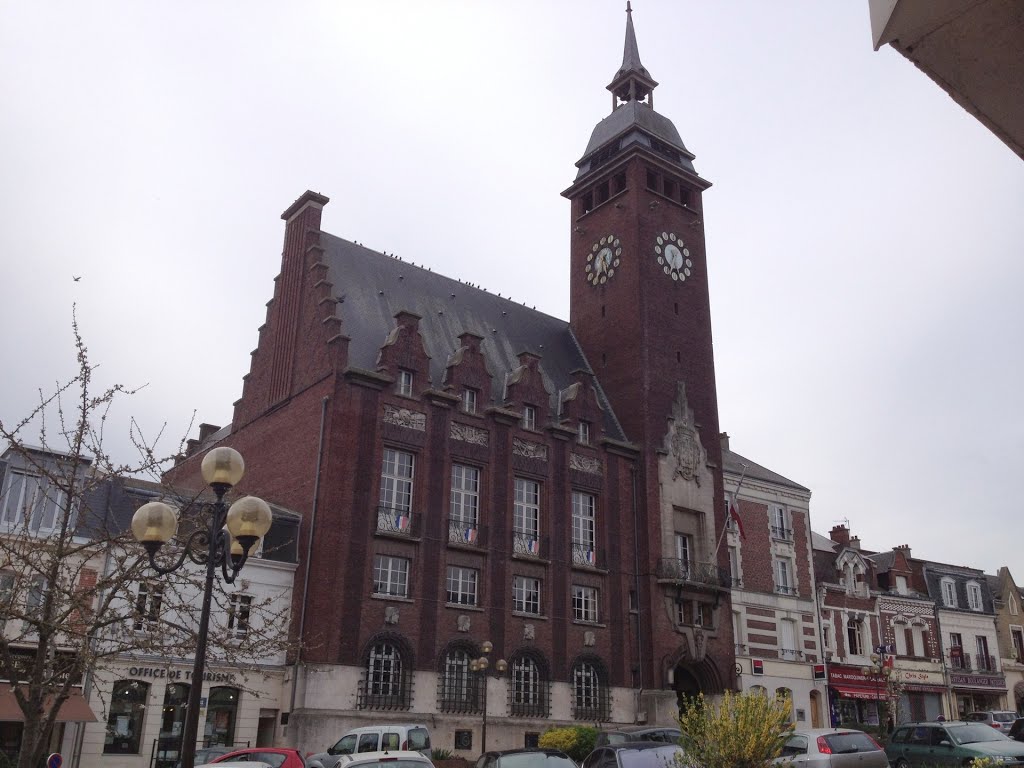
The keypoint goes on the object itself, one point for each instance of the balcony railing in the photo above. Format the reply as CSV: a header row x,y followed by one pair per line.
x,y
399,522
527,545
785,589
780,532
790,654
708,574
584,554
466,533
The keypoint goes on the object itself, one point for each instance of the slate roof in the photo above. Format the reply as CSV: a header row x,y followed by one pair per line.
x,y
883,560
375,287
733,462
633,123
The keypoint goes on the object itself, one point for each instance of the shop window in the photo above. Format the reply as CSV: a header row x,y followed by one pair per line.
x,y
125,719
221,714
172,723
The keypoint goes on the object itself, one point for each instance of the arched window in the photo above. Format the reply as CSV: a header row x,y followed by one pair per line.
x,y
590,700
387,683
854,638
125,719
459,690
783,695
760,690
530,686
221,715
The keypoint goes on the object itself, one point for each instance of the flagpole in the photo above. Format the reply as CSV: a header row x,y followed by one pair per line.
x,y
735,493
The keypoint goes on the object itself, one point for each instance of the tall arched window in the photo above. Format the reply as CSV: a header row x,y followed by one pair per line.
x,y
125,718
529,694
854,638
590,699
458,688
388,679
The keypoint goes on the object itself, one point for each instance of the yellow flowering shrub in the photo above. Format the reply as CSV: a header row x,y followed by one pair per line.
x,y
577,741
743,730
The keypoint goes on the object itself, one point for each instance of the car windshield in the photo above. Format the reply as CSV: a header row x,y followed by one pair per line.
x,y
535,760
658,757
392,763
849,742
1005,717
971,734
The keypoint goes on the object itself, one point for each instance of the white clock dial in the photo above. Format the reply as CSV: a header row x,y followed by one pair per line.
x,y
673,256
603,260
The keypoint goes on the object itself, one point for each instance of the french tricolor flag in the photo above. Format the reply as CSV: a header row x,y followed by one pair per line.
x,y
469,535
533,547
402,522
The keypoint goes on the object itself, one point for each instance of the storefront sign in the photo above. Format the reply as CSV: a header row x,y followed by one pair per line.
x,y
978,681
849,676
912,676
180,674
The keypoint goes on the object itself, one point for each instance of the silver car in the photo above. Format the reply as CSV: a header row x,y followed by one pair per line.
x,y
1000,720
832,748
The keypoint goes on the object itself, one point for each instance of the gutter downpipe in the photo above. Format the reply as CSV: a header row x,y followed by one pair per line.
x,y
636,583
309,550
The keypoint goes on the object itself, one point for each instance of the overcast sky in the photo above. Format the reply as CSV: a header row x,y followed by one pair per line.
x,y
864,234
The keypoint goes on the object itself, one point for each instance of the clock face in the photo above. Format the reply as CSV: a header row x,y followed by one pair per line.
x,y
673,256
603,260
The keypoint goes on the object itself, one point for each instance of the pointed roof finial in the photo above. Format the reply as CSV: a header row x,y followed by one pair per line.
x,y
632,81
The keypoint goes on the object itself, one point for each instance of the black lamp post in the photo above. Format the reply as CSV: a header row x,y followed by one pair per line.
x,y
878,671
479,666
227,541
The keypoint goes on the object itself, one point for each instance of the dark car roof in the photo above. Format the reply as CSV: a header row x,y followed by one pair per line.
x,y
525,750
637,745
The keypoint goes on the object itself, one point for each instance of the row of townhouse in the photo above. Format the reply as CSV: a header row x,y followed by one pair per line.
x,y
842,630
128,709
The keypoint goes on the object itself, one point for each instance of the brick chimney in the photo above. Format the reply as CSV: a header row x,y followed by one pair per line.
x,y
723,437
855,543
905,549
841,535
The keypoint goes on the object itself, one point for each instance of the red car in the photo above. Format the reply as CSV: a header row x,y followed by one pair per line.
x,y
278,757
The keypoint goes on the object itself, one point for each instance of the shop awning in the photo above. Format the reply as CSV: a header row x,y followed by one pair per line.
x,y
856,692
75,710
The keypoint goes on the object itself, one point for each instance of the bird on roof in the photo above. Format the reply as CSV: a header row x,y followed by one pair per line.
x,y
76,278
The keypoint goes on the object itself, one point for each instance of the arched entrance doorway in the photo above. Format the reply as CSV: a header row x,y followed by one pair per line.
x,y
692,677
815,709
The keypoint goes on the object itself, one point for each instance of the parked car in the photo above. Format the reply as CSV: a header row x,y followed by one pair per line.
x,y
832,748
275,757
525,758
207,754
375,738
400,758
1001,720
660,733
633,754
236,764
1017,730
952,743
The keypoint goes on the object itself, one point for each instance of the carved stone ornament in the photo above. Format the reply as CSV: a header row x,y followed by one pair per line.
x,y
529,450
391,614
403,417
700,644
469,434
463,623
529,632
684,447
584,464
588,639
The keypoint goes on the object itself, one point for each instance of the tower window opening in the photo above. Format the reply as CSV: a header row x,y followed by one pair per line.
x,y
604,358
588,202
619,182
679,358
652,180
684,195
676,307
670,189
602,310
602,192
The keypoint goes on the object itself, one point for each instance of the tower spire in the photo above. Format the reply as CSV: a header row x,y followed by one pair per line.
x,y
632,82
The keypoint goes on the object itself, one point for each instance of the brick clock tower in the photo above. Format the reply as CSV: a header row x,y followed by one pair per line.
x,y
640,309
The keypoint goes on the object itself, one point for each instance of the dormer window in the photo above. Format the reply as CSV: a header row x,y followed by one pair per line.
x,y
974,596
405,383
948,592
469,400
529,417
901,585
583,433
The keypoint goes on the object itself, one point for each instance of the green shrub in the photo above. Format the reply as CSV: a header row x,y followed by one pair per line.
x,y
440,753
577,741
743,730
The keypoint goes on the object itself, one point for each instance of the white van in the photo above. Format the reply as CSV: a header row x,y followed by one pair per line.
x,y
375,738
